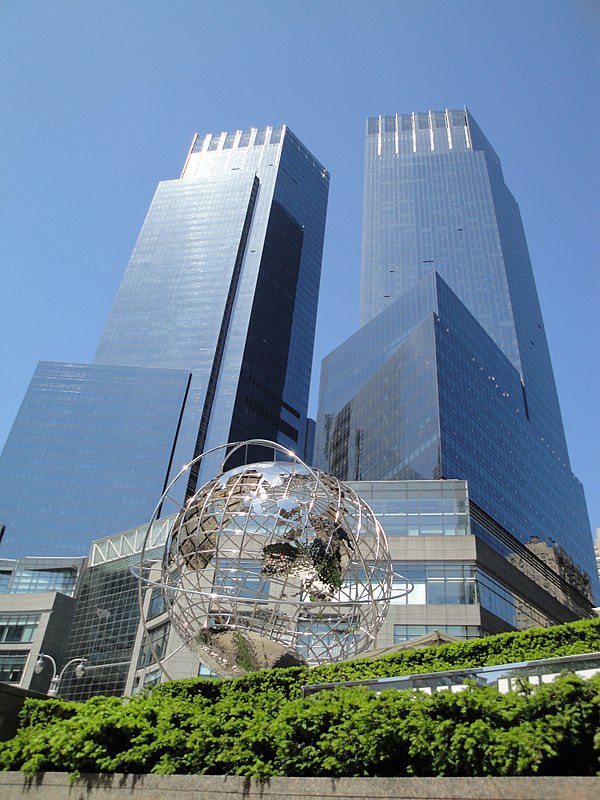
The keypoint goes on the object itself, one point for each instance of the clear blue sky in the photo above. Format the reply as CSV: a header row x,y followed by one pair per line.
x,y
99,101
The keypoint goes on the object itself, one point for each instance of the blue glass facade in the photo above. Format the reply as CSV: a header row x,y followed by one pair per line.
x,y
435,199
440,400
449,375
209,340
224,282
40,575
88,452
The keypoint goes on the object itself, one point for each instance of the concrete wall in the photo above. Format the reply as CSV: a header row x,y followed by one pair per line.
x,y
56,616
56,786
11,702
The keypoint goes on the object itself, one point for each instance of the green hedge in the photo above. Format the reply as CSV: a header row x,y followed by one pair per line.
x,y
549,730
259,726
571,638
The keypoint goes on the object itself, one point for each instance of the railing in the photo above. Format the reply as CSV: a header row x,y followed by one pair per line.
x,y
505,677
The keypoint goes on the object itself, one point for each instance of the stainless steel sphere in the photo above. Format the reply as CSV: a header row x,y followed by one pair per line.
x,y
272,564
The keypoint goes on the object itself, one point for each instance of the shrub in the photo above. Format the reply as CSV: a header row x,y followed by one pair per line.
x,y
258,725
569,639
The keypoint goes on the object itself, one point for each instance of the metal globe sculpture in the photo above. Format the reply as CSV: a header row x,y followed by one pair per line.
x,y
273,564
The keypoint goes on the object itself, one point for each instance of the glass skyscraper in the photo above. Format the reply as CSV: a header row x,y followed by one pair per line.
x,y
209,340
449,376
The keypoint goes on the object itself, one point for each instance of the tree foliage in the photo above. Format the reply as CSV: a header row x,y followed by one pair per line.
x,y
259,725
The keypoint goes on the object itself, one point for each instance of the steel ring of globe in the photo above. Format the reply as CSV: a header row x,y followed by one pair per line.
x,y
301,482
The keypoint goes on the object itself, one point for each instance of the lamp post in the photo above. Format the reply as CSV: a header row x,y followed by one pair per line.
x,y
56,676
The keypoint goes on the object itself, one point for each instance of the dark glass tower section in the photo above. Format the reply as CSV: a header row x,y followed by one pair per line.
x,y
449,375
223,282
435,199
213,327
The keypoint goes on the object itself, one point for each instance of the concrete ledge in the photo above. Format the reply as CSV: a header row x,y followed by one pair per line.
x,y
56,786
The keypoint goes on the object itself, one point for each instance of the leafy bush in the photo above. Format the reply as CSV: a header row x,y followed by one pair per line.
x,y
549,730
571,638
258,725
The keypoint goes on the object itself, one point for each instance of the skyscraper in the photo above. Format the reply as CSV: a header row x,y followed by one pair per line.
x,y
209,340
449,376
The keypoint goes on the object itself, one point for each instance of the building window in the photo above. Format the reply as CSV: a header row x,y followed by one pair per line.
x,y
423,510
18,627
206,672
510,607
157,603
260,137
437,583
12,664
241,579
276,135
30,581
158,638
4,581
447,583
144,681
404,632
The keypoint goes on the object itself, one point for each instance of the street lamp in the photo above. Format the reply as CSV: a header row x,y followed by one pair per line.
x,y
56,677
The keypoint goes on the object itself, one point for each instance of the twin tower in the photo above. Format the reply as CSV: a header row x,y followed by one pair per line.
x,y
210,340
